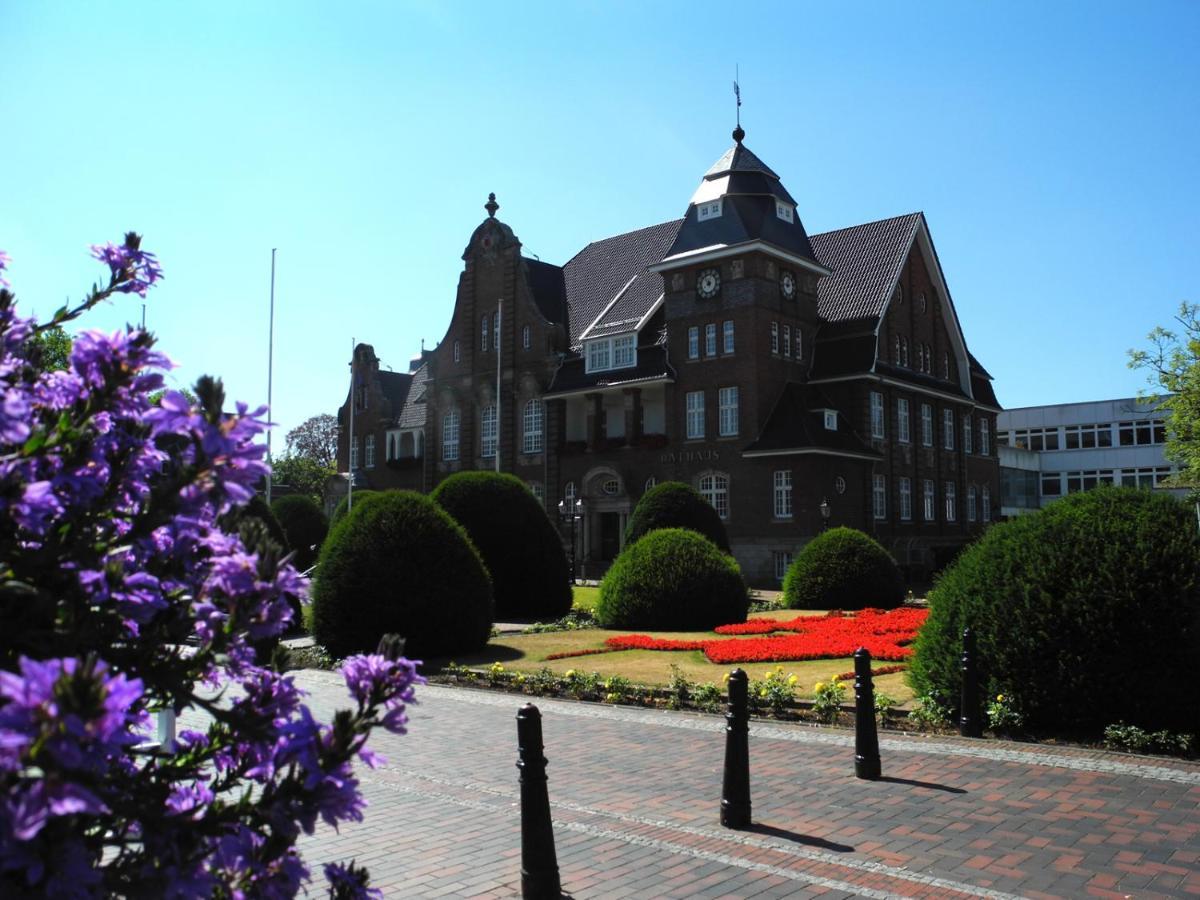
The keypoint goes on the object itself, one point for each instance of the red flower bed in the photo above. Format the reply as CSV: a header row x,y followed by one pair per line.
x,y
885,634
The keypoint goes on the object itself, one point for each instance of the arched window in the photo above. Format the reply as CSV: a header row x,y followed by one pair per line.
x,y
404,447
353,453
904,351
714,488
450,435
370,451
420,450
897,350
946,366
391,447
533,427
487,431
569,492
650,482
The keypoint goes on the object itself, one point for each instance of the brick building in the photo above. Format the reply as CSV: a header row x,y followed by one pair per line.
x,y
774,370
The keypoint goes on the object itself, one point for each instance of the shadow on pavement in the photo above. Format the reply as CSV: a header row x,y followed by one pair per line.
x,y
928,785
806,839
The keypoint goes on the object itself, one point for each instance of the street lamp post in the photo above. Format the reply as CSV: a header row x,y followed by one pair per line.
x,y
571,512
825,513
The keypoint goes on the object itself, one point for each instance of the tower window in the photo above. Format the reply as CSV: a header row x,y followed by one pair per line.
x,y
784,211
710,210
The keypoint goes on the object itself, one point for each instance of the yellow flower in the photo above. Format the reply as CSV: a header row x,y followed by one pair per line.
x,y
999,698
725,678
520,679
819,686
792,679
570,673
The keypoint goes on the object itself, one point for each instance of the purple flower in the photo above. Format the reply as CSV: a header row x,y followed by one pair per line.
x,y
134,270
375,680
5,259
189,800
350,883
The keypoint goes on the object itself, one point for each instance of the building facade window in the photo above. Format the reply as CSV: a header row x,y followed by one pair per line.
x,y
710,210
728,405
532,420
483,325
1052,484
487,431
946,366
783,494
650,482
569,492
783,562
926,425
985,437
710,339
727,333
457,352
904,351
799,343
951,503
906,499
1137,434
695,415
535,488
948,429
831,420
391,448
930,501
774,337
694,342
496,330
879,496
370,451
971,495
450,435
525,337
624,351
784,211
612,353
787,340
967,429
876,414
353,452
902,423
987,504
715,489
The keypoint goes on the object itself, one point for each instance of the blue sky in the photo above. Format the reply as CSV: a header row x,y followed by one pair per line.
x,y
1052,146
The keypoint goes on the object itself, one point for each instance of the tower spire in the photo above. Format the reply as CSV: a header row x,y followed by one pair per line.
x,y
738,132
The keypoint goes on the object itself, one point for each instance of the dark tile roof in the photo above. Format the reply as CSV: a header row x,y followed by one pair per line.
x,y
981,387
395,388
635,302
412,413
738,158
548,288
596,274
865,259
798,422
651,364
843,354
744,217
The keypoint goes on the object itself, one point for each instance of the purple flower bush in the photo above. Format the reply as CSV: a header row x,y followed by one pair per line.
x,y
121,593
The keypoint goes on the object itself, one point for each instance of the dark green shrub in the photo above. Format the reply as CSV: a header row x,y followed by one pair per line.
x,y
519,546
339,511
674,504
400,564
842,568
1085,612
304,525
672,579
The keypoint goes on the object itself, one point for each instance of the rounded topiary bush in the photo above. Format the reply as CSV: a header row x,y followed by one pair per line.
x,y
673,579
1085,613
522,551
674,504
303,524
400,564
339,511
843,569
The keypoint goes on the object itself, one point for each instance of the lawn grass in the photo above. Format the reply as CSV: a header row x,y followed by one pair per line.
x,y
586,597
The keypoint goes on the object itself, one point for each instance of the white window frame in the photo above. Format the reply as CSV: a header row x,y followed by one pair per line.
x,y
605,354
569,493
450,435
966,433
727,337
926,425
787,340
947,429
775,337
879,496
709,210
904,434
782,483
487,431
799,345
714,487
783,562
987,505
929,497
877,415
710,339
971,495
831,420
695,415
370,451
727,407
624,351
951,494
532,420
535,488
784,211
694,342
906,499
985,436
353,452
496,330
526,338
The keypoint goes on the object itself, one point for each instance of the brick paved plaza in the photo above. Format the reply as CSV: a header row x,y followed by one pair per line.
x,y
635,799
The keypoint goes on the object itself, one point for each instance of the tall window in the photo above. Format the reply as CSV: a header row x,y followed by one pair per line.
x,y
450,435
783,562
525,339
569,493
948,429
987,504
483,325
457,352
693,342
710,339
985,437
902,420
783,494
533,427
695,415
967,433
970,503
715,489
787,340
880,496
876,414
926,425
799,343
487,431
904,352
946,368
906,499
951,503
624,352
535,488
353,452
728,401
930,501
727,331
370,451
774,337
496,330
391,447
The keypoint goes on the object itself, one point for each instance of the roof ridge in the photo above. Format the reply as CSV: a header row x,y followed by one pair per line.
x,y
873,222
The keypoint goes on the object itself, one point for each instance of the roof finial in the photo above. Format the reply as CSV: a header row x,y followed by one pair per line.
x,y
738,133
491,206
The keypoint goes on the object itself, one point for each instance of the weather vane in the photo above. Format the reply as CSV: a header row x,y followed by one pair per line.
x,y
737,92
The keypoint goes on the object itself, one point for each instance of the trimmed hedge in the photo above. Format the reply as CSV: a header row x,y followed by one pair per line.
x,y
674,504
1086,613
842,568
304,525
400,564
339,511
672,579
518,544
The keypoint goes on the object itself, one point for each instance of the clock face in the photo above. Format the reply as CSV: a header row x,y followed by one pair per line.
x,y
708,283
787,284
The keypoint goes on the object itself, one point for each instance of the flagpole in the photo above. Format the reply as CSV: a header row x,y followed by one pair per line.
x,y
499,351
270,369
350,442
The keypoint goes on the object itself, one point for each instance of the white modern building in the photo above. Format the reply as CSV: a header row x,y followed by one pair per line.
x,y
1075,446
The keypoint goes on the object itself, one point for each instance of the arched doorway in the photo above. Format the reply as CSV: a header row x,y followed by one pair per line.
x,y
607,513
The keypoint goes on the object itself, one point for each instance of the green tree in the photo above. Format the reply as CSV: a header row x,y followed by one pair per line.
x,y
1172,365
50,350
315,438
306,475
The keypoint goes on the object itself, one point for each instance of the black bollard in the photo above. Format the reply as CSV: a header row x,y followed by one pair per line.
x,y
735,789
969,724
539,862
866,737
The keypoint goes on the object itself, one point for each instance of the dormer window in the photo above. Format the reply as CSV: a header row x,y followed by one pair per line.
x,y
830,420
710,210
612,353
785,211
